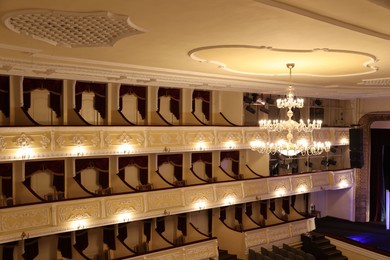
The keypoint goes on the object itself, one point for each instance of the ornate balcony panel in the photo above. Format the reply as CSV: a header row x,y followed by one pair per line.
x,y
199,197
69,215
320,180
255,188
228,194
342,179
63,141
279,187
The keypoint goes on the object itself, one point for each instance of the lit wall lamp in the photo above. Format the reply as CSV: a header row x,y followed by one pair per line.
x,y
343,183
280,192
78,224
230,200
302,188
344,141
124,217
200,204
201,146
230,145
126,144
23,142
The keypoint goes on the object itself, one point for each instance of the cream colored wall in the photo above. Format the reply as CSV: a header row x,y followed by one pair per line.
x,y
373,105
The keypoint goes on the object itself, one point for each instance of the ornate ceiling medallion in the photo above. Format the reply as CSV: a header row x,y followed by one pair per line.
x,y
72,29
264,60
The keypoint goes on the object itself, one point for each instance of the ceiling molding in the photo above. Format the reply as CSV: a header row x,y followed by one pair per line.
x,y
323,18
211,54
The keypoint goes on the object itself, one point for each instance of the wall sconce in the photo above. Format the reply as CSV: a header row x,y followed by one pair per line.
x,y
24,142
78,224
230,199
124,217
343,183
78,150
201,146
24,152
302,188
166,149
344,141
280,192
230,144
126,148
200,204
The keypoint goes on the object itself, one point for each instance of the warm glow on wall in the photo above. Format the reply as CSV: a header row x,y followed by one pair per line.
x,y
78,151
79,224
125,148
200,204
230,200
24,153
344,141
201,146
280,191
230,144
343,183
302,188
124,217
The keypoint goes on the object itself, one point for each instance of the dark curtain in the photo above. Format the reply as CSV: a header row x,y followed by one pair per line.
x,y
81,240
379,175
272,204
101,165
176,160
139,92
65,244
263,209
122,231
207,159
53,86
286,205
147,229
31,248
56,168
160,225
99,89
205,97
248,209
6,179
109,236
140,162
4,96
234,156
222,213
182,223
8,250
238,213
210,221
293,198
174,106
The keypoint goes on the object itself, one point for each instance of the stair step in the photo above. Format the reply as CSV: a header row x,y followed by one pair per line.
x,y
327,247
321,242
339,257
332,253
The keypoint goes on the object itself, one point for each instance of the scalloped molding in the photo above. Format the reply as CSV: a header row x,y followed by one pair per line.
x,y
196,54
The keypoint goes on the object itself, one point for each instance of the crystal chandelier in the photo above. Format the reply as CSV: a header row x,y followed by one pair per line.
x,y
290,146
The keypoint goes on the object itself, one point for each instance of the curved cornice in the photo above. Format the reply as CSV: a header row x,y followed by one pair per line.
x,y
325,19
242,59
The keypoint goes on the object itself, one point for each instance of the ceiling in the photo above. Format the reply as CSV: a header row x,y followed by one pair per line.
x,y
341,48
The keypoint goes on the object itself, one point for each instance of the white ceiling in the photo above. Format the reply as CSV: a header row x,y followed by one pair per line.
x,y
341,48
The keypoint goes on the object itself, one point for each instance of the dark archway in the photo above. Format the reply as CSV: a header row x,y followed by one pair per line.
x,y
362,178
379,177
